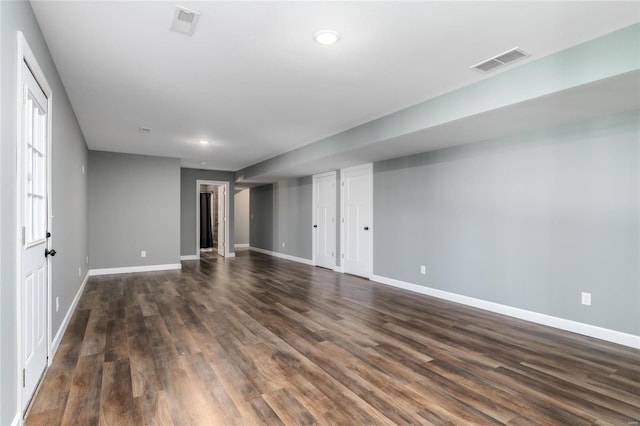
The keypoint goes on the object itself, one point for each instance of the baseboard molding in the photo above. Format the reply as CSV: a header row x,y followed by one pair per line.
x,y
282,255
339,269
241,245
230,255
206,250
130,269
55,343
16,420
548,320
189,257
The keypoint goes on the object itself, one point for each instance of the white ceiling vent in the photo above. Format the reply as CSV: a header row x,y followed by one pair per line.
x,y
501,60
184,20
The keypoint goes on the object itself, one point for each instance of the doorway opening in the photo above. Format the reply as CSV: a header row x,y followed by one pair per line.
x,y
212,210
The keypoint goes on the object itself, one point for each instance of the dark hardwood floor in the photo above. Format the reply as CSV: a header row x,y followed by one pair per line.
x,y
261,340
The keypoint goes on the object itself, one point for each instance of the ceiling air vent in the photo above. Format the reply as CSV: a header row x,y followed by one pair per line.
x,y
184,20
501,60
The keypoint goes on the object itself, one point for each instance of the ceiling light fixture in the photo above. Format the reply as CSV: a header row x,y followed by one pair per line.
x,y
326,37
203,142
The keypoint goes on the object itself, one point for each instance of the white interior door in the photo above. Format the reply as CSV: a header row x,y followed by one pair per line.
x,y
324,219
34,188
357,195
222,220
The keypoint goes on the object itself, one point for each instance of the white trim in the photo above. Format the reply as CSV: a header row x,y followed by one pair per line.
x,y
369,167
339,269
189,257
241,245
282,255
226,213
231,255
314,193
538,318
16,420
206,250
25,55
130,269
55,343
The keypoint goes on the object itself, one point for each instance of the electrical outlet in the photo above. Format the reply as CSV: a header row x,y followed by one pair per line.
x,y
143,253
423,269
57,303
87,260
283,244
586,299
79,271
83,169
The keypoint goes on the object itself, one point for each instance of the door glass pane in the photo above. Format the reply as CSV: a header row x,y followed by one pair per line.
x,y
35,204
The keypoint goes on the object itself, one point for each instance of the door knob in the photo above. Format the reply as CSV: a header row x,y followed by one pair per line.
x,y
366,228
315,226
49,252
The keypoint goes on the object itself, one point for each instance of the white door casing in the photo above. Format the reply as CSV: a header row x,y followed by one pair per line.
x,y
34,142
222,219
225,225
324,216
356,220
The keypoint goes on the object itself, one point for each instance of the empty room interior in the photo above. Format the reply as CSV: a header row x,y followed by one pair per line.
x,y
340,213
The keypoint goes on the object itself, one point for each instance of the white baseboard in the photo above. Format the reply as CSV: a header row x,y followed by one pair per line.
x,y
129,269
282,255
16,420
206,250
189,257
548,320
230,255
55,343
339,269
241,245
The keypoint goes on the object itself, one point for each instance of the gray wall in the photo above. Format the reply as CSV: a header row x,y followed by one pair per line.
x,y
69,153
281,212
528,222
188,178
241,217
134,205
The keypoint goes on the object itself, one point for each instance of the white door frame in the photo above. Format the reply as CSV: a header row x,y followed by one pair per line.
x,y
314,180
226,214
368,166
25,54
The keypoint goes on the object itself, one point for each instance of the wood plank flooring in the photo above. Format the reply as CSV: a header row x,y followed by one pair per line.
x,y
261,340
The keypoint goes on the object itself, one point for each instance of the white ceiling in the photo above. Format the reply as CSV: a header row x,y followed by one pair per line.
x,y
252,80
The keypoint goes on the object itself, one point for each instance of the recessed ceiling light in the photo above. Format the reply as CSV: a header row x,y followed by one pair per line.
x,y
326,37
203,142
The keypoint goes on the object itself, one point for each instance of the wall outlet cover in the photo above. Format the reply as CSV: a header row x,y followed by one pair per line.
x,y
586,298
